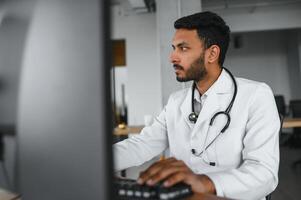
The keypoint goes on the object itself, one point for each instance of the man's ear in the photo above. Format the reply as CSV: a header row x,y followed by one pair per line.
x,y
213,54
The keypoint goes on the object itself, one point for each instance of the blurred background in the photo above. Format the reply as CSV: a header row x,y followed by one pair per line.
x,y
265,46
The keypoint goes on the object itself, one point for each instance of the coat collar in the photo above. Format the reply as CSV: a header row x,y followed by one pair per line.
x,y
223,85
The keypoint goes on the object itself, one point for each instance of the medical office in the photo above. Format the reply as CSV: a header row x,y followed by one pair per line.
x,y
265,46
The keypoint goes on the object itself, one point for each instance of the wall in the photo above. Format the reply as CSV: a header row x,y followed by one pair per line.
x,y
272,52
262,57
143,86
168,11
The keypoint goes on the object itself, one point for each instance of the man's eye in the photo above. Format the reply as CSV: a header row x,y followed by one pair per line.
x,y
184,48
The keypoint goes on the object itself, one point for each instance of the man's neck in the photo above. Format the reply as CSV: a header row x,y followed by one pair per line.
x,y
208,81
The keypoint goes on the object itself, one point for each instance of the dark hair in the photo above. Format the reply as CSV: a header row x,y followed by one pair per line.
x,y
211,29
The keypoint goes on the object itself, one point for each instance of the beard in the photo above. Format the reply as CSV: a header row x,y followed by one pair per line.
x,y
196,72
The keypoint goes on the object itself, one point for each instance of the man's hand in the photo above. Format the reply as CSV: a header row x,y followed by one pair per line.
x,y
172,171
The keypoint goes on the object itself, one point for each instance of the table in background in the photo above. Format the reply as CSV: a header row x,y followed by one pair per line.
x,y
291,122
127,130
287,123
205,197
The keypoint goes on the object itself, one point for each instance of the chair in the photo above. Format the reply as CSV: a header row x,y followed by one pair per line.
x,y
280,103
295,106
269,197
281,107
281,117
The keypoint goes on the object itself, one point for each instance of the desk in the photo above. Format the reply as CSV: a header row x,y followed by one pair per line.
x,y
205,197
127,130
5,195
291,122
287,123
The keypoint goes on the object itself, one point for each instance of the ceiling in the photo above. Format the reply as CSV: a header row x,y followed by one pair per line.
x,y
146,6
228,4
137,6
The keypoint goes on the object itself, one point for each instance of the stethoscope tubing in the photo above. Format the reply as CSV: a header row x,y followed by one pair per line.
x,y
226,112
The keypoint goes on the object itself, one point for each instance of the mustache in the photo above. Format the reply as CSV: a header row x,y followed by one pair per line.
x,y
178,67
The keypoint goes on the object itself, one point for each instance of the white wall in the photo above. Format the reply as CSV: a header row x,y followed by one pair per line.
x,y
168,11
274,56
143,87
262,57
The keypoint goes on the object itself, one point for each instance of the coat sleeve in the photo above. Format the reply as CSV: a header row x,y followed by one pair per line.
x,y
257,176
142,147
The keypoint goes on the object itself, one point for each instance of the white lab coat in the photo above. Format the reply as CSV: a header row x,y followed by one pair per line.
x,y
246,154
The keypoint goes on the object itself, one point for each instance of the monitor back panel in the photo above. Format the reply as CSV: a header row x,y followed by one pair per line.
x,y
63,120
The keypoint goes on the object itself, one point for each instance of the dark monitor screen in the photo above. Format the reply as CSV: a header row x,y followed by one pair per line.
x,y
64,121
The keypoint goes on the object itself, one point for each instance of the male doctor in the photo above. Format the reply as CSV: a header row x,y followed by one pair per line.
x,y
240,162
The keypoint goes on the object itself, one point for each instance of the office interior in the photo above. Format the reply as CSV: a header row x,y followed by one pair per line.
x,y
265,46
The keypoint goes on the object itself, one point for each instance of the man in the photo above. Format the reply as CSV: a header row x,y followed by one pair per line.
x,y
240,162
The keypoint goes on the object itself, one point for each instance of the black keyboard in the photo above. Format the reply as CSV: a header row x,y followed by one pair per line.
x,y
130,189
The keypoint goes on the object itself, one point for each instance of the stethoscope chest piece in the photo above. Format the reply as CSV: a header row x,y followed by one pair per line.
x,y
193,117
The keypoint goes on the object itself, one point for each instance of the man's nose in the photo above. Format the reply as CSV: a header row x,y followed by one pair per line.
x,y
173,58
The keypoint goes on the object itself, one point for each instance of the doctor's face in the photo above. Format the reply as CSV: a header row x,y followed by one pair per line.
x,y
187,56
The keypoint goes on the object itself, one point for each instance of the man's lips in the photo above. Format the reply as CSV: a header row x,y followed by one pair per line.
x,y
177,67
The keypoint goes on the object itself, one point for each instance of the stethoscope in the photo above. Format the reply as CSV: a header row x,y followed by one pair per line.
x,y
193,116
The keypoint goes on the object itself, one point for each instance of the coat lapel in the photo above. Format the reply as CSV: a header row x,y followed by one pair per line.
x,y
218,94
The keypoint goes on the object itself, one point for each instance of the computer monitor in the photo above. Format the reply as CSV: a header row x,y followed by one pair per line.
x,y
64,115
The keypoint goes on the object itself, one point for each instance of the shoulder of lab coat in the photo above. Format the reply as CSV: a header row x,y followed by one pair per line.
x,y
178,97
258,173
